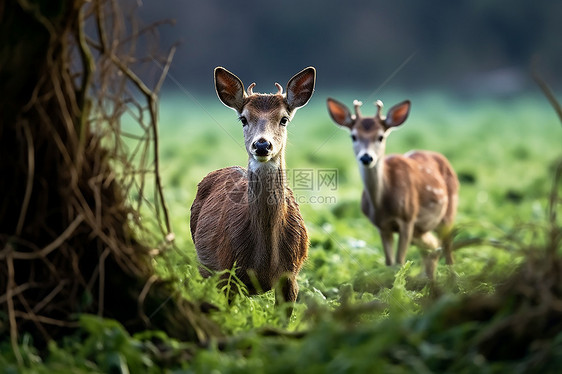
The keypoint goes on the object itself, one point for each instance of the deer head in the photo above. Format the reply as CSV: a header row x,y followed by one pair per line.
x,y
264,117
368,133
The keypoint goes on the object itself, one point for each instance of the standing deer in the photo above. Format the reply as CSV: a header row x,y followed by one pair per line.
x,y
249,217
411,194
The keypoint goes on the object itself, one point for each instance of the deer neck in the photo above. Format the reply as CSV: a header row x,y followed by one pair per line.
x,y
373,181
267,206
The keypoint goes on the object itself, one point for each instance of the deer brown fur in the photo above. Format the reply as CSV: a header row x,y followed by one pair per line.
x,y
249,217
411,194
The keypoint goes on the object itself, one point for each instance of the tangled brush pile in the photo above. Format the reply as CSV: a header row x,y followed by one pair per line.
x,y
69,231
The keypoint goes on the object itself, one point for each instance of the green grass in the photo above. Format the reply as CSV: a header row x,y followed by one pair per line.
x,y
504,152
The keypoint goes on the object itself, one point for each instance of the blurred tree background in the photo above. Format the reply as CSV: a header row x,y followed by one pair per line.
x,y
475,48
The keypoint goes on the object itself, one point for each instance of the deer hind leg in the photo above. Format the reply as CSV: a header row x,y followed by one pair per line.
x,y
445,230
405,233
446,234
429,246
387,239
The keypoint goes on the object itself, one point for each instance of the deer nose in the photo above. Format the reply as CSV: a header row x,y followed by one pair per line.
x,y
366,159
262,147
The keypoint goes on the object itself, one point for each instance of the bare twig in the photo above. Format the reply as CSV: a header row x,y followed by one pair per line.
x,y
30,174
152,99
101,277
87,76
48,320
165,69
16,291
154,122
545,88
142,297
47,299
555,232
46,250
11,310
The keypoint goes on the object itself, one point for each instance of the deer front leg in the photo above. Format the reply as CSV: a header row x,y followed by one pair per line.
x,y
429,248
405,233
287,289
387,239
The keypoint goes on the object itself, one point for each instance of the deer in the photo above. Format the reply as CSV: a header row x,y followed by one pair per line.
x,y
413,195
248,218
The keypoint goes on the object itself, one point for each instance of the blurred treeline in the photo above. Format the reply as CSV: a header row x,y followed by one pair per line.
x,y
473,47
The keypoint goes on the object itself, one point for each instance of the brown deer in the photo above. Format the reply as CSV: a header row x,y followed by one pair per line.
x,y
411,194
249,218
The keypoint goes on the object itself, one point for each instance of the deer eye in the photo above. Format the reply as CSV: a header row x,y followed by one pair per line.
x,y
380,138
353,137
284,121
243,120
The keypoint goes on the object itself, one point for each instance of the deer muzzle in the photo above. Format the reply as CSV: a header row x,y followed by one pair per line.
x,y
262,148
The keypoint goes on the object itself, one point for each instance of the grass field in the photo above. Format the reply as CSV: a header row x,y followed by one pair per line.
x,y
504,152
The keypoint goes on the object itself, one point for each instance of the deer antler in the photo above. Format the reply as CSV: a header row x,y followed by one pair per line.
x,y
279,89
357,104
251,89
379,105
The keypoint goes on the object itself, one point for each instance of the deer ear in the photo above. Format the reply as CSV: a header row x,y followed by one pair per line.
x,y
339,113
300,88
397,114
229,89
